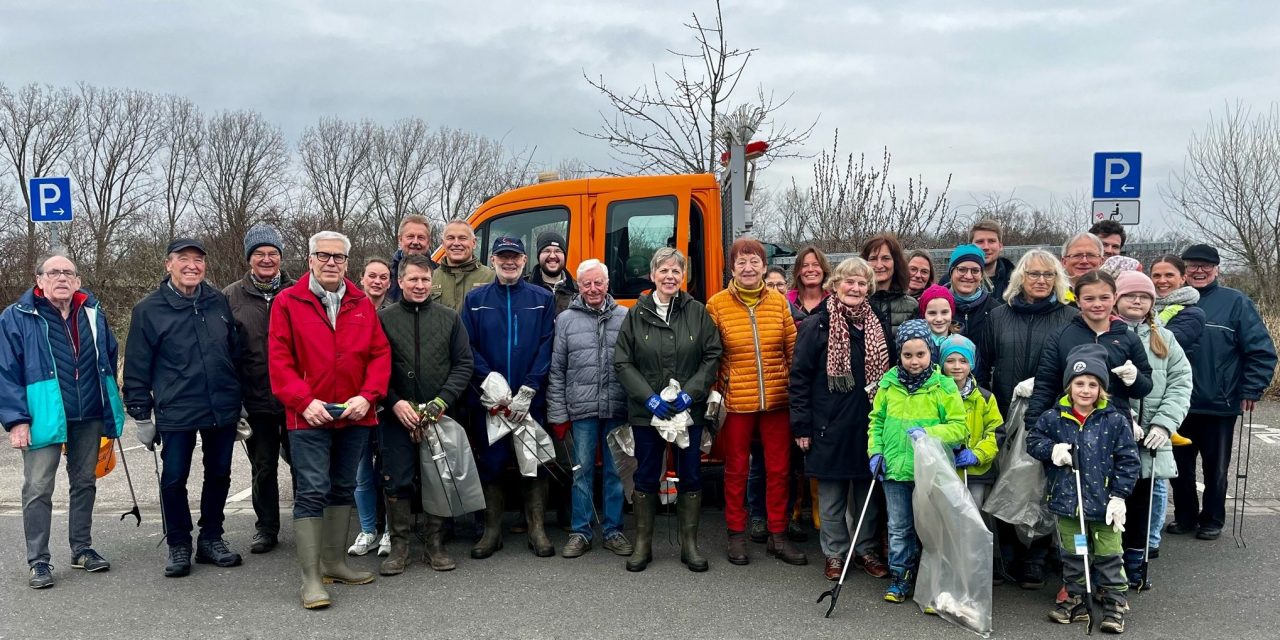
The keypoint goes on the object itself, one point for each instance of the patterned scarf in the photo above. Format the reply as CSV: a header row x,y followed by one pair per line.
x,y
969,385
876,350
330,300
1185,296
269,287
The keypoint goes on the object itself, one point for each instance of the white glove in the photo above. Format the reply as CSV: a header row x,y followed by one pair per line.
x,y
1023,389
147,434
243,430
1126,372
1061,455
1157,437
1137,429
1115,514
519,407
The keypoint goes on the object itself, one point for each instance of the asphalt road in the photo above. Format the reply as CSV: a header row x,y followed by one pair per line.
x,y
1203,589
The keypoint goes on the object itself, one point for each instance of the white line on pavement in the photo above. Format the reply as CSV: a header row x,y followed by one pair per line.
x,y
240,496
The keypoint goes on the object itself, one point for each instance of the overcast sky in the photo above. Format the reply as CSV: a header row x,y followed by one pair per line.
x,y
1009,96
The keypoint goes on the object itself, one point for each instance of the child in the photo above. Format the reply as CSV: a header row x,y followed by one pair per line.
x,y
1162,411
1084,423
913,399
982,416
938,307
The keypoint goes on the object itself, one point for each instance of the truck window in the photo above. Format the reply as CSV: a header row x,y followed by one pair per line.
x,y
636,229
697,254
525,225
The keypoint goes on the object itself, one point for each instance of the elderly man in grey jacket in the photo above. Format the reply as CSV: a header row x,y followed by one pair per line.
x,y
585,398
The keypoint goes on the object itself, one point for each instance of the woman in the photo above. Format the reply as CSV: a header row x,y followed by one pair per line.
x,y
920,270
1176,302
890,301
667,334
374,281
808,290
974,302
776,279
840,354
759,337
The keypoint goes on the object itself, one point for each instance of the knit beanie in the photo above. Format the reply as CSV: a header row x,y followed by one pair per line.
x,y
917,329
956,343
1116,265
262,235
551,239
1087,359
1134,282
967,253
933,293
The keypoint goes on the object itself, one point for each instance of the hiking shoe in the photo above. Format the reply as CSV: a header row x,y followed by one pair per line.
x,y
1070,610
833,569
796,532
736,550
577,545
899,589
1032,578
217,553
781,547
90,561
365,542
1112,619
618,544
179,562
41,576
759,530
872,565
384,545
1205,533
263,542
1179,529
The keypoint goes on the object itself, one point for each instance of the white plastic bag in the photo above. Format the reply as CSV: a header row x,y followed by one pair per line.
x,y
532,444
954,578
676,428
622,444
1018,494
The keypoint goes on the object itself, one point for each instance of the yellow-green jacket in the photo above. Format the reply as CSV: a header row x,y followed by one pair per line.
x,y
936,406
982,417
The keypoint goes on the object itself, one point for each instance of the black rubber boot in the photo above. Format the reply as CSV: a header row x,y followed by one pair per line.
x,y
688,508
433,549
535,509
398,526
644,505
491,541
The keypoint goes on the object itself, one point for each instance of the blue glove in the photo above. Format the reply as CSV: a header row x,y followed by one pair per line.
x,y
683,402
877,466
966,458
659,407
916,433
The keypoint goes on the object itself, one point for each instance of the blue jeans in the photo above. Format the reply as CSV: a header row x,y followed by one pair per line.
x,y
649,450
324,465
366,492
588,436
904,546
1159,503
178,447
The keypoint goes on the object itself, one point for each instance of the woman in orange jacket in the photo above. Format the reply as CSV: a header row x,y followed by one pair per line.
x,y
759,336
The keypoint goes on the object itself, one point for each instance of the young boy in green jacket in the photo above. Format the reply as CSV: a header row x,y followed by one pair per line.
x,y
975,456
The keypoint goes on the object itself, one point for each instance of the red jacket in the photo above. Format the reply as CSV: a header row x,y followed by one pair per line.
x,y
309,360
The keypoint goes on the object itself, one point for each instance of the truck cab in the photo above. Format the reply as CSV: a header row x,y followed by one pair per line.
x,y
620,221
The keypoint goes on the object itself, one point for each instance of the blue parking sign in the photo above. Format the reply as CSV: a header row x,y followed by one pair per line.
x,y
50,199
1117,175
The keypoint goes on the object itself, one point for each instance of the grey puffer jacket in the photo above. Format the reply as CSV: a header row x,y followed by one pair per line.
x,y
582,382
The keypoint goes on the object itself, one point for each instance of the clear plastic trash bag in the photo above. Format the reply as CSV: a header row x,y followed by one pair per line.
x,y
1018,495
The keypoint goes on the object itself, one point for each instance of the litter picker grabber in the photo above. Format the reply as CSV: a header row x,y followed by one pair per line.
x,y
164,523
134,511
1082,546
834,592
1146,549
573,468
1244,444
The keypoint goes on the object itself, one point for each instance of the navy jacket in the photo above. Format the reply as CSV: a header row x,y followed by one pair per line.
x,y
1235,358
511,328
393,291
1121,343
835,422
180,360
1105,449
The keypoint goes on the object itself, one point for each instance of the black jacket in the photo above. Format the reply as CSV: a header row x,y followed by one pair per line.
x,y
836,423
1011,343
1235,358
251,309
430,353
1121,343
180,360
650,352
972,318
563,291
1187,327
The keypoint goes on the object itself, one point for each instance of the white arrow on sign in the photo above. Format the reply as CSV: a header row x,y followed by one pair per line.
x,y
1126,187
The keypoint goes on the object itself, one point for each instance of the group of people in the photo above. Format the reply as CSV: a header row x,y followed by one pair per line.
x,y
810,386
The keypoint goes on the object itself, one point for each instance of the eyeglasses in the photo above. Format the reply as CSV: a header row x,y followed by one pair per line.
x,y
54,274
1039,275
265,255
1200,268
325,256
1083,256
967,271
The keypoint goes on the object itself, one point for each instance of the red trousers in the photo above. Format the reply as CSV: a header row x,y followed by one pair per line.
x,y
774,429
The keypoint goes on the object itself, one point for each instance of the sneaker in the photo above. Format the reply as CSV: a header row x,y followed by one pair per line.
x,y
179,562
216,552
899,589
1112,619
365,542
872,565
577,545
759,530
1070,610
834,567
90,561
618,544
384,545
1032,578
41,576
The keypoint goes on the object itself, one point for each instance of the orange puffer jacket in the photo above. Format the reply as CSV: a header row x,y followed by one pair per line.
x,y
758,347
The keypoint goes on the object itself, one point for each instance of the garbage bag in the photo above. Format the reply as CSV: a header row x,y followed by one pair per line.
x,y
450,478
532,444
954,578
622,444
676,428
1018,495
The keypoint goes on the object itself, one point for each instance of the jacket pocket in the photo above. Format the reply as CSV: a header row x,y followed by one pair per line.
x,y
48,417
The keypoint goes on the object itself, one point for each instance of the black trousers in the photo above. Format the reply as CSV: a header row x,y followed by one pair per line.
x,y
266,446
1211,440
1137,511
399,456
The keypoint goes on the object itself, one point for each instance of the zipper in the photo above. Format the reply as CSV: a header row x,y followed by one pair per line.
x,y
755,337
510,322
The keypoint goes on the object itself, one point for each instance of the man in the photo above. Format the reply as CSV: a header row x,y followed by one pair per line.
x,y
511,325
1232,365
460,271
58,389
414,237
1081,254
250,300
180,367
1112,235
330,364
430,369
550,274
989,236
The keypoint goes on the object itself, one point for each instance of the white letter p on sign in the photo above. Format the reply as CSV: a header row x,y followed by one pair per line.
x,y
1116,169
49,195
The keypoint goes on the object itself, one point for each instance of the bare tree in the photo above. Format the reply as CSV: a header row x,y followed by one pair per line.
x,y
1026,224
470,168
1229,191
396,174
179,161
38,125
669,125
334,157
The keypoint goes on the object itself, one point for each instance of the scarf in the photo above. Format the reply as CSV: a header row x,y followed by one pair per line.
x,y
913,381
330,300
875,349
964,304
749,297
1185,296
1019,304
969,385
270,287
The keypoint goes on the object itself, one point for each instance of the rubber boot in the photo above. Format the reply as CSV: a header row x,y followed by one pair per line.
x,y
1133,568
333,549
399,517
308,532
688,508
433,549
535,506
644,505
491,541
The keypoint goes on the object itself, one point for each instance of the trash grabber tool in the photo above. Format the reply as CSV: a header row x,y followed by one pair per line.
x,y
1238,502
1082,545
164,523
834,592
1146,549
134,511
569,446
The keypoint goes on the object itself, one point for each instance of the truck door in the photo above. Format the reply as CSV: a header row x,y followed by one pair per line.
x,y
630,226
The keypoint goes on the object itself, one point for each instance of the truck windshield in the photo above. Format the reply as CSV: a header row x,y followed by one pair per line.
x,y
525,225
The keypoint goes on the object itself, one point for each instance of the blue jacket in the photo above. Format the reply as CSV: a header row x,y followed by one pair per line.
x,y
1121,343
180,360
511,328
44,381
1106,451
1235,358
